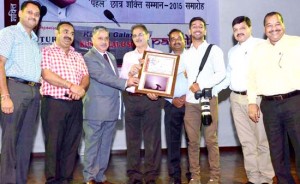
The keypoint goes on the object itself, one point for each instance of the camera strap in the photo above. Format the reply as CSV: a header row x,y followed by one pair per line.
x,y
204,60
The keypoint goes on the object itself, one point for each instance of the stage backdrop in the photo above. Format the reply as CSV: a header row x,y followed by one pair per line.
x,y
159,17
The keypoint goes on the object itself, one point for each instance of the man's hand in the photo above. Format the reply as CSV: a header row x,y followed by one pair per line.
x,y
7,105
179,101
253,112
134,70
195,87
76,92
152,96
133,81
141,61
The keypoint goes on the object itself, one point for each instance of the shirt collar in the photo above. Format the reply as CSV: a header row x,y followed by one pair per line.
x,y
172,52
54,45
136,50
279,41
32,34
102,53
201,45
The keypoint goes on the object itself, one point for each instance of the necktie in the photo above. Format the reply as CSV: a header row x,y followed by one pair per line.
x,y
106,58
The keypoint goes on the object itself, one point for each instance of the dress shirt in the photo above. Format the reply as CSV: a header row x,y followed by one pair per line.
x,y
181,81
70,67
237,68
22,53
274,69
213,71
129,59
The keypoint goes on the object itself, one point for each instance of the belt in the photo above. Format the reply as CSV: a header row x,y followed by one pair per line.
x,y
53,98
136,94
281,96
241,92
30,83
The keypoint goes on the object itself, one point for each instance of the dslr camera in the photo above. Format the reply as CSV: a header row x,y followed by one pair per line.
x,y
205,95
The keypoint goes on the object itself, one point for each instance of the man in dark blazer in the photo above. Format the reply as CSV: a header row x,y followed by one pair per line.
x,y
101,106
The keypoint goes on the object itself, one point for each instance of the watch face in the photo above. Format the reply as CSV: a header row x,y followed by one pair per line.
x,y
62,3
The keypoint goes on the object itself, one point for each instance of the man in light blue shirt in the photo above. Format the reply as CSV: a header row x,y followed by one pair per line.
x,y
174,111
252,136
20,72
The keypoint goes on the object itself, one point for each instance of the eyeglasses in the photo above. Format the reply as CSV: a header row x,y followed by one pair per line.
x,y
138,35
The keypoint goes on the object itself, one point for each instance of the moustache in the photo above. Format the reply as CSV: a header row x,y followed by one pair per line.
x,y
67,38
276,30
241,34
33,19
177,43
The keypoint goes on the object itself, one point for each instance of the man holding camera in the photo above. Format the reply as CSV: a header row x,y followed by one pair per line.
x,y
201,84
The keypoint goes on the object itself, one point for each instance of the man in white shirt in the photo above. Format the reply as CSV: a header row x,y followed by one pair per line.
x,y
274,73
213,73
252,136
142,116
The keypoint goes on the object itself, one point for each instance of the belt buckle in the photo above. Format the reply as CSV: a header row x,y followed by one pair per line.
x,y
31,83
278,97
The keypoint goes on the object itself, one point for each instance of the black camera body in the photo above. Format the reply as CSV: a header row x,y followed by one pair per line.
x,y
205,95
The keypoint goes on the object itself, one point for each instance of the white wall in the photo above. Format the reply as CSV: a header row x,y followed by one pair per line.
x,y
229,9
255,10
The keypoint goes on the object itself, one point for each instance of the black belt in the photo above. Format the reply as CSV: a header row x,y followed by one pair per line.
x,y
281,96
241,92
53,98
136,94
30,83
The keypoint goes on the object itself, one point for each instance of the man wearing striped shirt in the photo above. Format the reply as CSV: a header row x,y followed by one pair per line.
x,y
20,73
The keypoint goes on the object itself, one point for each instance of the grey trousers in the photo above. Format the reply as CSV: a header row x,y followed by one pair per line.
x,y
18,132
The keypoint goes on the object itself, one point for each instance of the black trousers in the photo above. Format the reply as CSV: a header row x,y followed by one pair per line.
x,y
18,132
143,123
174,122
282,121
62,125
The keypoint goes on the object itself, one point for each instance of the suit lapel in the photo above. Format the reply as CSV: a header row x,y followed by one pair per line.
x,y
114,63
102,60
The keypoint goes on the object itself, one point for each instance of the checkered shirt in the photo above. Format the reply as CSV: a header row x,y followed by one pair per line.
x,y
70,67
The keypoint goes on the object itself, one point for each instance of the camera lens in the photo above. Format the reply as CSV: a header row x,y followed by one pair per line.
x,y
206,120
205,112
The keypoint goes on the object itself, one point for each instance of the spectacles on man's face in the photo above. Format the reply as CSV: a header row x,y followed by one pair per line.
x,y
138,35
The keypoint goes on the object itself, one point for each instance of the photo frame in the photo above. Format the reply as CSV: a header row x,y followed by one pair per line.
x,y
158,74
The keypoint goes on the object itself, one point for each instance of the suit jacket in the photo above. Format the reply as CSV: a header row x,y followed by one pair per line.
x,y
102,100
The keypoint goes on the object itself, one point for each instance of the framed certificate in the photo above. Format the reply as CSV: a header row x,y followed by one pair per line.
x,y
158,74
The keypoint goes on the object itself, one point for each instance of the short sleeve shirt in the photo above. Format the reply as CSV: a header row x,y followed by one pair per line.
x,y
70,67
22,53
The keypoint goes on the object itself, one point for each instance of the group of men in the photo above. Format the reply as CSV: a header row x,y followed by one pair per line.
x,y
84,93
